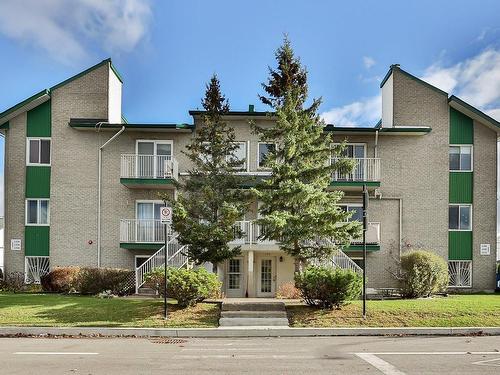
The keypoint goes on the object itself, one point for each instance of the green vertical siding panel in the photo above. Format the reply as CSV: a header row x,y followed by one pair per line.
x,y
36,241
461,128
37,182
461,185
38,123
460,245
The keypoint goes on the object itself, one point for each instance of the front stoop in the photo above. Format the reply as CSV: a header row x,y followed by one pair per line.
x,y
253,314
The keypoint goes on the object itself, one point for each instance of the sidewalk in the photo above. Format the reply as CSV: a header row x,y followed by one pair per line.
x,y
245,331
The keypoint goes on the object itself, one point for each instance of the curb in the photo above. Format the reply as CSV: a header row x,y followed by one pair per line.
x,y
245,332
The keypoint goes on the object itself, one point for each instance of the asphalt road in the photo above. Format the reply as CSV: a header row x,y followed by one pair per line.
x,y
336,355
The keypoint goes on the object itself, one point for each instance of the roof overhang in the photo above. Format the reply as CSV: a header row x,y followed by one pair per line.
x,y
24,106
474,113
102,125
396,130
238,115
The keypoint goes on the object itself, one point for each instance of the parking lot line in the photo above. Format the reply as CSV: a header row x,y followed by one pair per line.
x,y
381,365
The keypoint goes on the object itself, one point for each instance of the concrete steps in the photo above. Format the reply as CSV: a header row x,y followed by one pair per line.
x,y
253,314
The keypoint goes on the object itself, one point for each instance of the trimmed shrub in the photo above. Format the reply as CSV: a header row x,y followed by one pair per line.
x,y
13,282
288,291
97,280
328,287
422,273
187,286
60,280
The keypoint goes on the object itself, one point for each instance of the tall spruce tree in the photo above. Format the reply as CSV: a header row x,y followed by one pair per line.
x,y
297,208
210,201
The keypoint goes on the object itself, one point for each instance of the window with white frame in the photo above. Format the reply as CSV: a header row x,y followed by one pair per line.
x,y
460,158
356,209
460,216
263,153
37,212
240,155
460,273
38,151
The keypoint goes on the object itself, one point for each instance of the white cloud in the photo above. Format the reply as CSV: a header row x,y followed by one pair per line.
x,y
368,61
475,80
64,29
363,112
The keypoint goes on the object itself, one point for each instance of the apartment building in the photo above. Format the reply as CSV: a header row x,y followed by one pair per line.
x,y
81,184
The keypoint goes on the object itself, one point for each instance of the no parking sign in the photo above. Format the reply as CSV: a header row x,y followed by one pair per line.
x,y
165,215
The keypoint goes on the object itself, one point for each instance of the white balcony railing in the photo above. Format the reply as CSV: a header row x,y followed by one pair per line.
x,y
366,169
252,231
149,166
372,235
143,231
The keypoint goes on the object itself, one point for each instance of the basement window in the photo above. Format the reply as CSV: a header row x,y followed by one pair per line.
x,y
38,151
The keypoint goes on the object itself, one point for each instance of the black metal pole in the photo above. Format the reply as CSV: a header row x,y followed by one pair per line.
x,y
165,270
365,228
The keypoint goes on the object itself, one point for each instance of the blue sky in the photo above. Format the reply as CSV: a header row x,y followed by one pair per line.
x,y
167,50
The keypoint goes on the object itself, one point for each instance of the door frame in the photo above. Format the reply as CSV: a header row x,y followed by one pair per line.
x,y
274,272
243,277
155,142
152,201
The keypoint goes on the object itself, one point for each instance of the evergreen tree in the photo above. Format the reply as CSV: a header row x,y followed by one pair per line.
x,y
297,209
210,201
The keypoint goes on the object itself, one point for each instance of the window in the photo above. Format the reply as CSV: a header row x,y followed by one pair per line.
x,y
153,158
264,150
234,274
353,151
240,155
460,158
37,212
357,211
460,217
460,272
38,150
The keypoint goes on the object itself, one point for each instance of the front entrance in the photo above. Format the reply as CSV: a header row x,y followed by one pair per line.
x,y
266,277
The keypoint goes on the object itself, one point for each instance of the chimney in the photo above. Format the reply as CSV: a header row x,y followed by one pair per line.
x,y
250,108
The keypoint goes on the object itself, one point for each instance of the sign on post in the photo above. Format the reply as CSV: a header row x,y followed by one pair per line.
x,y
165,215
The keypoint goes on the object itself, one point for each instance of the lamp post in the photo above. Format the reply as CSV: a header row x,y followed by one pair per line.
x,y
365,228
164,220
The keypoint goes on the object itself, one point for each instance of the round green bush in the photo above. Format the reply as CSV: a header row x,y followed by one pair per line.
x,y
328,287
423,273
187,286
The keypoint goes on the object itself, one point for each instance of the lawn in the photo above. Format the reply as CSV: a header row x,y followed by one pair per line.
x,y
81,311
451,311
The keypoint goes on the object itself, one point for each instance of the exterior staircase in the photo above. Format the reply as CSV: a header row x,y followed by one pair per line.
x,y
253,314
175,255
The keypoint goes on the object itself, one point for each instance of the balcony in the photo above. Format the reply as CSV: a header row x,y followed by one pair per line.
x,y
148,171
366,171
141,234
251,232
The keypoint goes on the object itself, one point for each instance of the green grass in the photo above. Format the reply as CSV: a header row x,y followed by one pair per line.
x,y
451,311
81,311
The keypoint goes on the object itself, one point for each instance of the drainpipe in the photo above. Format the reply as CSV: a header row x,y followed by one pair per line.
x,y
376,144
400,200
99,188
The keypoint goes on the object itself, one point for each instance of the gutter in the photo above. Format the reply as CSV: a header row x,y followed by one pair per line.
x,y
99,187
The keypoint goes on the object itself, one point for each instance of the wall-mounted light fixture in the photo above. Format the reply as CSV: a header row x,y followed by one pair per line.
x,y
281,259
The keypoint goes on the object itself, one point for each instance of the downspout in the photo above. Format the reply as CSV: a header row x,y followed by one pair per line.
x,y
99,193
376,145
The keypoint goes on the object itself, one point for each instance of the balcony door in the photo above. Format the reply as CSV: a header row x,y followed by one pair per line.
x,y
358,152
153,157
148,225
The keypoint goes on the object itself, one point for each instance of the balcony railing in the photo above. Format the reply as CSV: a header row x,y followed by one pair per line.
x,y
366,169
372,235
149,166
143,231
252,231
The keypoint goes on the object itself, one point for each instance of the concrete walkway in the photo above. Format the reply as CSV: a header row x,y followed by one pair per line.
x,y
245,331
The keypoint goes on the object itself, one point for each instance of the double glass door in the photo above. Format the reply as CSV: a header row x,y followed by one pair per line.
x,y
153,158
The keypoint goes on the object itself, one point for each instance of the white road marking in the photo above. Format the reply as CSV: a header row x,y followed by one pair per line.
x,y
381,365
55,353
232,350
487,362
